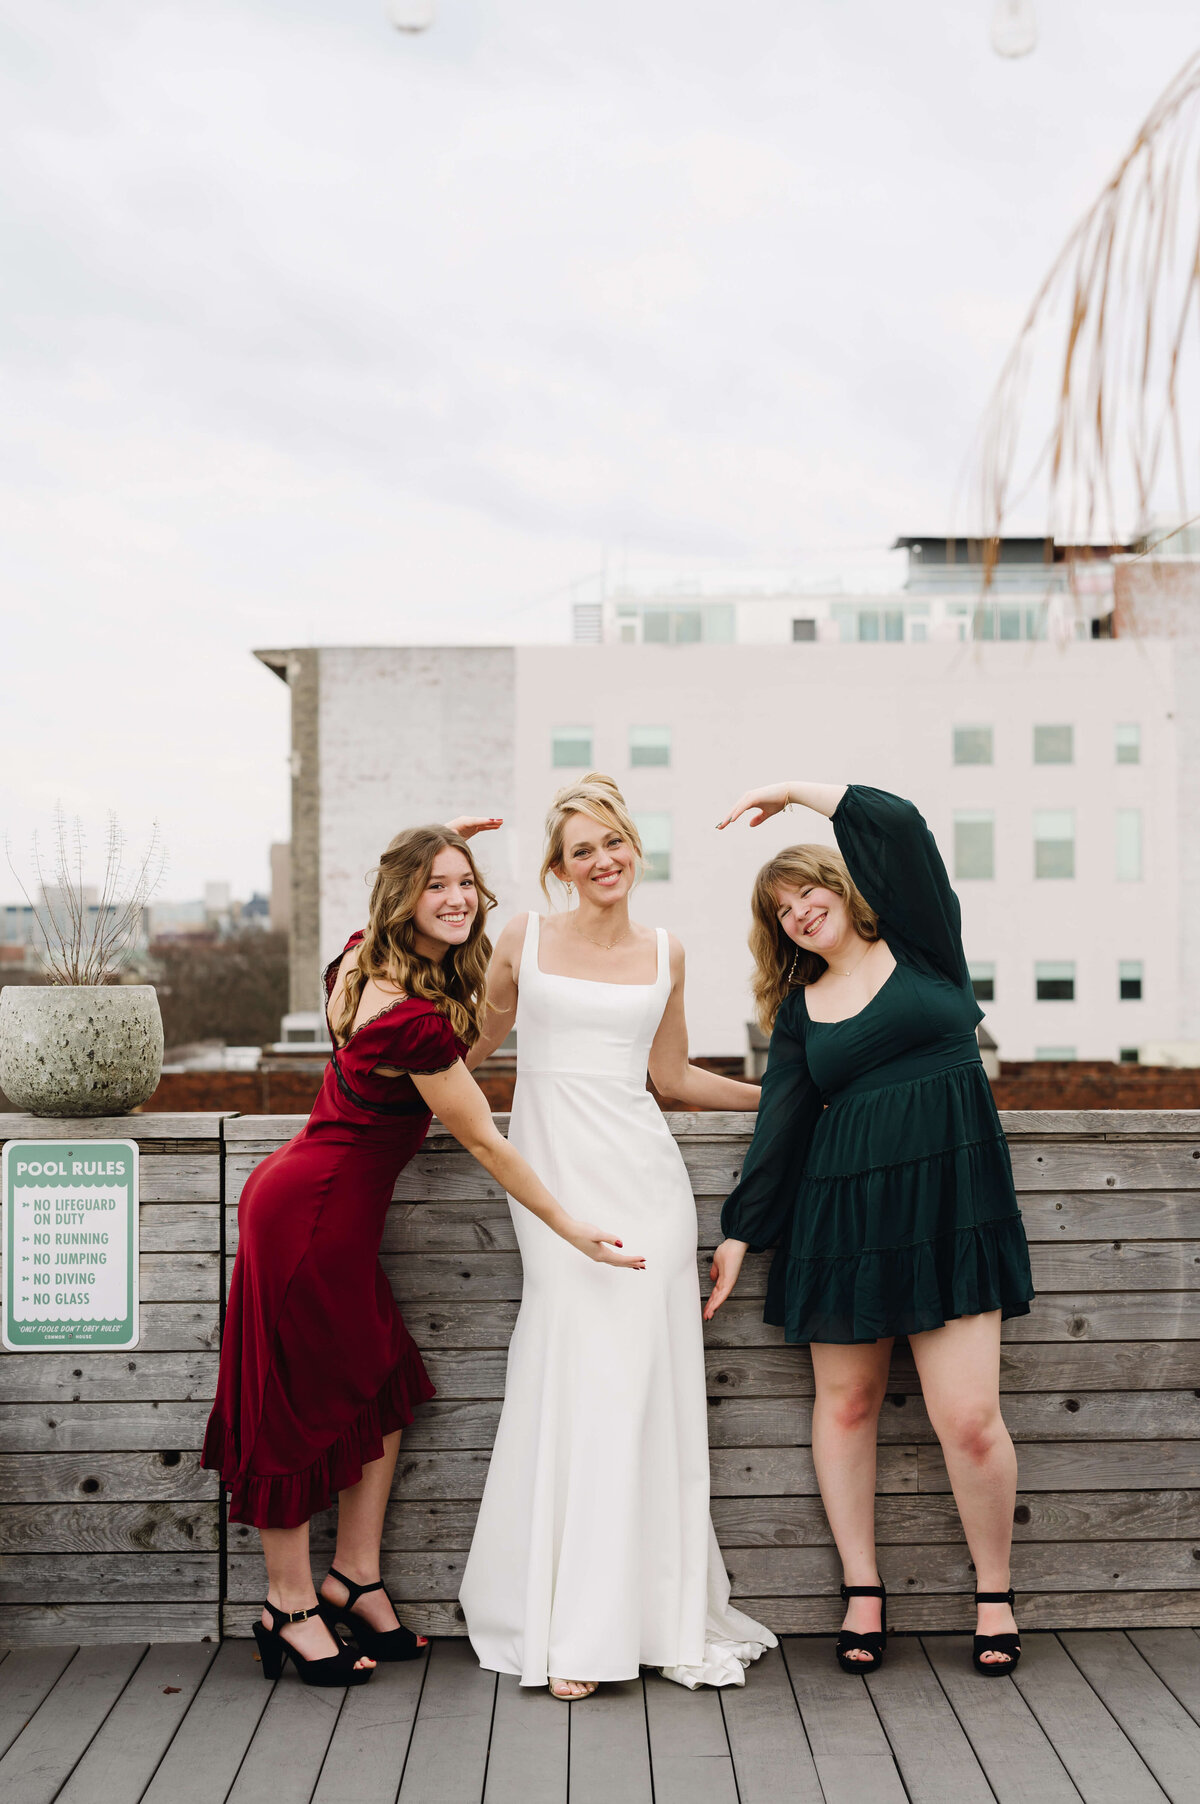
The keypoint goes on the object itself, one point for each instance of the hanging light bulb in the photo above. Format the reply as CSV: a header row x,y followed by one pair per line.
x,y
1014,28
411,15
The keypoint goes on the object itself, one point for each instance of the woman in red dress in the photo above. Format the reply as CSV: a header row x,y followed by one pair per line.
x,y
318,1373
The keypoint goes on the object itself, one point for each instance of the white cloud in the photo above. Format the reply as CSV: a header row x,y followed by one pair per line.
x,y
317,332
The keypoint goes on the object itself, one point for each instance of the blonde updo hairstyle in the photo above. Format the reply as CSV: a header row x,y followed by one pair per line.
x,y
455,984
595,795
780,965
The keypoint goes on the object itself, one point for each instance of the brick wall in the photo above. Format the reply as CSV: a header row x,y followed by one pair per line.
x,y
1043,1084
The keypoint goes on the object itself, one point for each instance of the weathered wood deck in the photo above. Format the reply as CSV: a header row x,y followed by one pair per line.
x,y
1103,1716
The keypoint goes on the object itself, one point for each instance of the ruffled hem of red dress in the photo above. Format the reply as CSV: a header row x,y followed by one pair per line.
x,y
285,1500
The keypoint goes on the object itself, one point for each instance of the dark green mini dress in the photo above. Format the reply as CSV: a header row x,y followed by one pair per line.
x,y
878,1170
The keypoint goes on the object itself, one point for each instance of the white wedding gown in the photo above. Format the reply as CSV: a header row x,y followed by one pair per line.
x,y
594,1552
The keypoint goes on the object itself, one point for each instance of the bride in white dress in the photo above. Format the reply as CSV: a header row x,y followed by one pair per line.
x,y
594,1552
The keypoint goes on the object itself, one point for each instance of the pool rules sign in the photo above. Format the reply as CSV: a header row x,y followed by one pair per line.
x,y
70,1244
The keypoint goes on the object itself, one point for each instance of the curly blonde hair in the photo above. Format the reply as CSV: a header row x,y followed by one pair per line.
x,y
598,796
779,964
455,984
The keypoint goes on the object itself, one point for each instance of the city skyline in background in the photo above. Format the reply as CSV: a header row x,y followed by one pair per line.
x,y
300,355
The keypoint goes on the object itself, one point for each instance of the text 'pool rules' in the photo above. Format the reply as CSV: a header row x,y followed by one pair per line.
x,y
70,1244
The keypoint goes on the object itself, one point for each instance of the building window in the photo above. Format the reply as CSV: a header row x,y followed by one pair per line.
x,y
972,745
974,843
654,831
1054,982
1129,744
804,631
1129,845
571,748
713,623
1054,745
1055,1054
1129,1055
1129,979
881,623
655,836
649,745
1053,842
983,981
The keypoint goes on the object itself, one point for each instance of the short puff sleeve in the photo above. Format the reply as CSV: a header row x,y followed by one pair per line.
x,y
421,1044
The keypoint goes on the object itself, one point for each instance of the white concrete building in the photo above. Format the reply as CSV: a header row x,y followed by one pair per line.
x,y
1061,779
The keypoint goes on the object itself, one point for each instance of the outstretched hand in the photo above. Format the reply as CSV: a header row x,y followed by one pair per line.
x,y
765,802
467,825
724,1271
603,1247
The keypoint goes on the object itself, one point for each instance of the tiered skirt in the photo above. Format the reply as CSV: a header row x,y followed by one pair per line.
x,y
905,1216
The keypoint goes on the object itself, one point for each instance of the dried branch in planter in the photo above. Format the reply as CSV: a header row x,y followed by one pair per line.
x,y
1128,374
83,941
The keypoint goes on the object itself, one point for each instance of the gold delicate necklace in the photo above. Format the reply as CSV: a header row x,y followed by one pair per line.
x,y
853,968
599,944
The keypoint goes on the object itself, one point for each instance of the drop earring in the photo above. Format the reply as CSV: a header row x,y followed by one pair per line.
x,y
791,976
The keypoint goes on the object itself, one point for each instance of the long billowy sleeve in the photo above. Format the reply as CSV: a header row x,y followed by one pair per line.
x,y
894,860
757,1210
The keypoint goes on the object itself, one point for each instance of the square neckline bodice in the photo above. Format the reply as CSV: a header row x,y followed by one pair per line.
x,y
533,938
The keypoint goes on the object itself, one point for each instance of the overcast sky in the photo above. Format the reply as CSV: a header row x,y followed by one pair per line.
x,y
317,333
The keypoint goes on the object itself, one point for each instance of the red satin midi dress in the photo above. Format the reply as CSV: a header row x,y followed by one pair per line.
x,y
316,1362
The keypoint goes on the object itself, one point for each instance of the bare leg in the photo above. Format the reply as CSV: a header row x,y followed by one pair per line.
x,y
959,1367
361,1510
850,1386
290,1587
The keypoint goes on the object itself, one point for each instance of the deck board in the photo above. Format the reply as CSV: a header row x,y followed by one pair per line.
x,y
1099,1716
202,1762
1103,1766
138,1730
1175,1656
610,1747
1009,1742
42,1757
771,1756
1154,1720
285,1757
936,1761
852,1755
368,1748
447,1757
689,1750
527,1761
27,1676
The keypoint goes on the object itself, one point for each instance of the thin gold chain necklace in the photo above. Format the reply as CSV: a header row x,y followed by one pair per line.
x,y
853,968
599,944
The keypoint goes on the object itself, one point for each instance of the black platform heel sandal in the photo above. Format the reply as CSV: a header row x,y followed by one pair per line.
x,y
378,1644
871,1642
995,1644
335,1669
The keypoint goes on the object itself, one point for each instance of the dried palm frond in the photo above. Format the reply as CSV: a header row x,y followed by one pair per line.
x,y
1126,404
85,941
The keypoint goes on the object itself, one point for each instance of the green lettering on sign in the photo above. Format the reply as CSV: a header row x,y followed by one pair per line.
x,y
70,1244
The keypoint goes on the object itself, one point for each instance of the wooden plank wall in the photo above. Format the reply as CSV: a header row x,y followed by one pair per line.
x,y
1101,1390
109,1530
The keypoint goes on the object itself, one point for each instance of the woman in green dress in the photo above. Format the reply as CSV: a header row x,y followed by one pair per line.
x,y
880,1174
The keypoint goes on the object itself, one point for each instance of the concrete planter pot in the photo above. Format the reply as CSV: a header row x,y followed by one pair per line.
x,y
80,1050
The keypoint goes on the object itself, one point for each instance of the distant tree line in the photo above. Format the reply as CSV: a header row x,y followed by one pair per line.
x,y
234,990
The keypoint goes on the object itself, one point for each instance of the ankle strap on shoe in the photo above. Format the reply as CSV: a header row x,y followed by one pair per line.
x,y
285,1616
355,1591
995,1597
863,1591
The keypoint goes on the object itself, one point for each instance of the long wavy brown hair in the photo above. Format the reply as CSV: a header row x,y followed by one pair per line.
x,y
455,984
780,965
